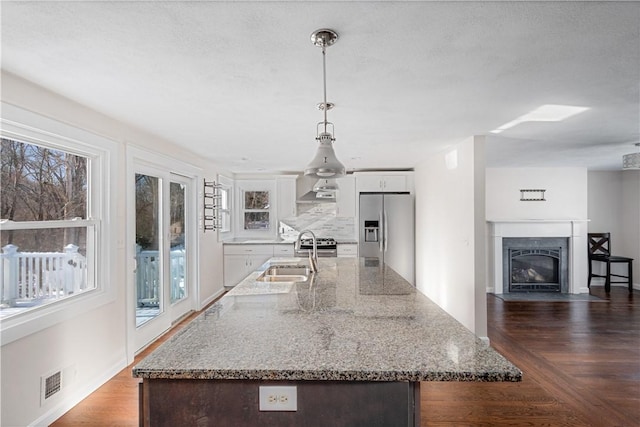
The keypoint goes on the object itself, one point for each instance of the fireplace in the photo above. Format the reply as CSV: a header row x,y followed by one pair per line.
x,y
570,236
535,264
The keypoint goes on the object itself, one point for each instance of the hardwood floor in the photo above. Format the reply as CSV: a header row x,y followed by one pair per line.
x,y
581,364
116,402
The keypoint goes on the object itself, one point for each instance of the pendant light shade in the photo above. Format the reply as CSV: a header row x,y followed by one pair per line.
x,y
325,164
326,189
631,161
326,185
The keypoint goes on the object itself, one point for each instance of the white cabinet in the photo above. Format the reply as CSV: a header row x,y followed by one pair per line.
x,y
347,250
394,183
236,268
283,250
346,197
366,183
286,189
242,260
383,182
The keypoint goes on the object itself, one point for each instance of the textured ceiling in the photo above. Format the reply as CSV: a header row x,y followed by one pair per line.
x,y
238,82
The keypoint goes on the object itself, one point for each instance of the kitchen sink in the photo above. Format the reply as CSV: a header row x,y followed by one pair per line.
x,y
285,273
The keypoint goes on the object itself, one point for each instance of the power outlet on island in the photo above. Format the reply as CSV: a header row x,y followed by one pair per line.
x,y
278,398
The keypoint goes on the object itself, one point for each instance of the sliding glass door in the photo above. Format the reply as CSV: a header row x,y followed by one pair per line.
x,y
163,236
178,271
148,219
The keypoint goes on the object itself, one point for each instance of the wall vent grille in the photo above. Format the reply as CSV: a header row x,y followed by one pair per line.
x,y
52,384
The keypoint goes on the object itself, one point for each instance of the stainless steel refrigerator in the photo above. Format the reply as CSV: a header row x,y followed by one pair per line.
x,y
387,231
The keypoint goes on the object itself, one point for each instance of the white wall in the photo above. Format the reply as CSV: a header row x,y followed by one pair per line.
x,y
450,232
605,203
630,243
91,347
614,207
566,193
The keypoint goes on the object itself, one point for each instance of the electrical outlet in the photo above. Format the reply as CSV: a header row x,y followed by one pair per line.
x,y
278,398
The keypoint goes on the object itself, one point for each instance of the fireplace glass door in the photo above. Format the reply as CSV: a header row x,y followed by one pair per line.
x,y
535,270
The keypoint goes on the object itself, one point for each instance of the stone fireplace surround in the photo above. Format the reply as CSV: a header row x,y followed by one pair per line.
x,y
574,230
546,257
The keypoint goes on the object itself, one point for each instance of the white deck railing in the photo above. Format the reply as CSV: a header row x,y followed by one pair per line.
x,y
29,276
32,276
148,276
177,273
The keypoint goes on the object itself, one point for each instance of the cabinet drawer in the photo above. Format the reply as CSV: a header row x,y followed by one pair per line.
x,y
248,249
283,250
347,250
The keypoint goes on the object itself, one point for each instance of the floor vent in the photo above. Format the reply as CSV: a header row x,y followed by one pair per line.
x,y
51,385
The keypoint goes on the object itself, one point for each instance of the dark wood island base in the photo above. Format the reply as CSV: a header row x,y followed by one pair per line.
x,y
347,347
186,402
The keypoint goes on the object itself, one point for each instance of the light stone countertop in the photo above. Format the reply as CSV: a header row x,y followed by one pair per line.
x,y
353,321
248,241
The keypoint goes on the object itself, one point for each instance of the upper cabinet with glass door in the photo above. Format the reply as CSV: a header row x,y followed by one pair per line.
x,y
257,208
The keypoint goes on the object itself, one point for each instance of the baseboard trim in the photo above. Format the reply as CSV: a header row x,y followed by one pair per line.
x,y
635,286
212,298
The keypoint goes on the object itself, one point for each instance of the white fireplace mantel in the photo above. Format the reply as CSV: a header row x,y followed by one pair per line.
x,y
573,229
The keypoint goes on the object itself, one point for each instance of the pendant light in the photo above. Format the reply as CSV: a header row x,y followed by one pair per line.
x,y
325,164
632,161
325,185
325,188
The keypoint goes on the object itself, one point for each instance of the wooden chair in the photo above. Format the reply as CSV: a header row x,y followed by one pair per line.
x,y
600,250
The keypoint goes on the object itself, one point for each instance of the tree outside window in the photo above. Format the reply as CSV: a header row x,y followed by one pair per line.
x,y
256,210
45,224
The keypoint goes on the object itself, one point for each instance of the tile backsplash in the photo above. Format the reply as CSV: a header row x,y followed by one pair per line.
x,y
322,220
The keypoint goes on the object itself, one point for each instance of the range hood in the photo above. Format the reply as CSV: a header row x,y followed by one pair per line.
x,y
304,188
317,197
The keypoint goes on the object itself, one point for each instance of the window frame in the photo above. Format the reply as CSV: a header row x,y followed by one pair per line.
x,y
246,210
266,185
226,210
31,128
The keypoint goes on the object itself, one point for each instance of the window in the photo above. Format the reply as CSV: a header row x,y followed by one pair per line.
x,y
255,207
256,210
178,207
71,222
48,238
225,209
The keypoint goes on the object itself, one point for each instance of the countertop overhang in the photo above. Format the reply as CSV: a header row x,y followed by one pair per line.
x,y
355,320
247,241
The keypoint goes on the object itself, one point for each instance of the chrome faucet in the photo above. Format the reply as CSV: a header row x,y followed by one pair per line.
x,y
313,257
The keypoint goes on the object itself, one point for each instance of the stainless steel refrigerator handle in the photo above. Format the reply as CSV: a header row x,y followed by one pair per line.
x,y
386,234
380,236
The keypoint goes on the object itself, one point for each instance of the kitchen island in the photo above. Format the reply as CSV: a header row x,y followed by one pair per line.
x,y
352,341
